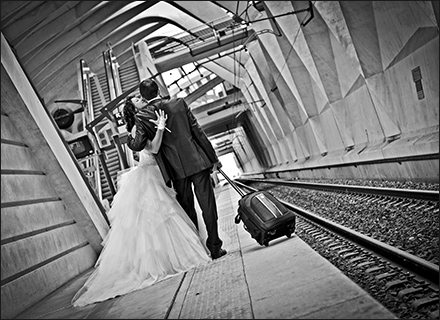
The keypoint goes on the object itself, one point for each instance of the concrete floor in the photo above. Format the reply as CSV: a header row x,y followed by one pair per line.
x,y
286,280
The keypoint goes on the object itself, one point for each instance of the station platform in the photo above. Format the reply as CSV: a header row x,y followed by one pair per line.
x,y
286,280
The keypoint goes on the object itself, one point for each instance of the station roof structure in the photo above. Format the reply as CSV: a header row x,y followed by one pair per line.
x,y
50,37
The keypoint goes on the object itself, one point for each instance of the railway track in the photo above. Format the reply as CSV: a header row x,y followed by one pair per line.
x,y
403,282
426,195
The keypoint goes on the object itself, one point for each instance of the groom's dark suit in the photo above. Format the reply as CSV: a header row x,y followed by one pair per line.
x,y
186,156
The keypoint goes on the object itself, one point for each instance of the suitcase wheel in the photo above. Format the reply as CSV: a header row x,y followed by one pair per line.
x,y
266,242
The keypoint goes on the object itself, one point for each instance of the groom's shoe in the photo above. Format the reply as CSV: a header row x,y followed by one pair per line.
x,y
218,254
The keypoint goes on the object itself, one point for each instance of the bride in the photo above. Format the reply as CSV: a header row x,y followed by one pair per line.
x,y
151,237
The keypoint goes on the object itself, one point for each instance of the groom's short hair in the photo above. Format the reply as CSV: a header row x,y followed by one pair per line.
x,y
148,89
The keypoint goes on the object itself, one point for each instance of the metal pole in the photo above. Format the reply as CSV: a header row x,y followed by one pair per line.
x,y
100,154
121,153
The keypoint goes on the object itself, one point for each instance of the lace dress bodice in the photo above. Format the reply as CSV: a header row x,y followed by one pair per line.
x,y
146,158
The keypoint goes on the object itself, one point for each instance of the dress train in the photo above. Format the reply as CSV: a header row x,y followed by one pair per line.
x,y
151,237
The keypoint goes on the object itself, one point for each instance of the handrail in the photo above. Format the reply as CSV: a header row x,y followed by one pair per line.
x,y
109,107
272,170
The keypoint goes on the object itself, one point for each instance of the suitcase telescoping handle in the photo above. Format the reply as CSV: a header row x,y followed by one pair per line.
x,y
240,192
232,183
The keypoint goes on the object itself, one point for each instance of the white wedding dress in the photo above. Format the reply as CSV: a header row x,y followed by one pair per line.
x,y
151,237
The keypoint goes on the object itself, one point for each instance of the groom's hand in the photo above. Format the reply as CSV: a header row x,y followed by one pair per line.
x,y
216,166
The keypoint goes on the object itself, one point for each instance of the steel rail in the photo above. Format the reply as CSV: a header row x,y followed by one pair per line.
x,y
392,192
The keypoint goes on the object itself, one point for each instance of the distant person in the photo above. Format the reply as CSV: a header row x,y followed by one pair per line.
x,y
151,237
186,158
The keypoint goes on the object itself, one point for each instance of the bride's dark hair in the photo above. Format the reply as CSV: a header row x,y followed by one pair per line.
x,y
128,112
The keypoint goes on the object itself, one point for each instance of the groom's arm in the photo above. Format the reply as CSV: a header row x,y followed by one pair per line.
x,y
144,131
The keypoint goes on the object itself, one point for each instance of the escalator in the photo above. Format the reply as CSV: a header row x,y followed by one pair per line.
x,y
106,144
128,77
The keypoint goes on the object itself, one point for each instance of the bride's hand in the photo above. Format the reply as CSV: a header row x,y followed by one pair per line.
x,y
161,120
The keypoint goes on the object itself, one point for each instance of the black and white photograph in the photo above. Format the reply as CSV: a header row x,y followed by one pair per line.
x,y
220,160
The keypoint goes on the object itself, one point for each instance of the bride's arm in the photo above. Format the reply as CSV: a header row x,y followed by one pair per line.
x,y
154,145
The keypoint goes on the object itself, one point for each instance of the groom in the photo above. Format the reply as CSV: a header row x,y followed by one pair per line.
x,y
186,158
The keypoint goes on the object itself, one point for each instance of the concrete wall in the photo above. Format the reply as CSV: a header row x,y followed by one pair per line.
x,y
416,171
51,225
341,90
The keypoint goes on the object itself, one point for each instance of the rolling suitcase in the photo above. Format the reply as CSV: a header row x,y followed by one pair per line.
x,y
263,215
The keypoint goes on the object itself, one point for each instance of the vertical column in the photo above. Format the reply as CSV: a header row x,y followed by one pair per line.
x,y
147,67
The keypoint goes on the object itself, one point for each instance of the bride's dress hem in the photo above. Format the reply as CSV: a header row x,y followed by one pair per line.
x,y
151,238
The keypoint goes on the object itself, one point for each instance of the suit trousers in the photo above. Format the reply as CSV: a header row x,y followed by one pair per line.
x,y
205,195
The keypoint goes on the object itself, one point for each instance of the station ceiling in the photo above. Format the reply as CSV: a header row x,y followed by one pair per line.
x,y
50,37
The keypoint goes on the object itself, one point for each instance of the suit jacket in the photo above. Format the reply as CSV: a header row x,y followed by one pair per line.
x,y
185,150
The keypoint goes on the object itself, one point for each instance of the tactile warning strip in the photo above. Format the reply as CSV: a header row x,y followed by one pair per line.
x,y
219,290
